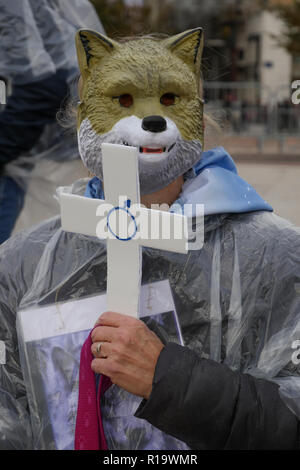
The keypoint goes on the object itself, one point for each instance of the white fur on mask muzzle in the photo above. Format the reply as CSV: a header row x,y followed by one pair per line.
x,y
156,170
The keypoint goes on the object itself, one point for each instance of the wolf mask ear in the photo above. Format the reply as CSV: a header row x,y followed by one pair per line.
x,y
91,48
188,46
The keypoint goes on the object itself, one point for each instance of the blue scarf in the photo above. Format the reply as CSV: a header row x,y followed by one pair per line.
x,y
214,182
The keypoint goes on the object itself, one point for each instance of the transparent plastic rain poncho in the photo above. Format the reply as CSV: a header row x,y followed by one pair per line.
x,y
37,39
237,300
37,36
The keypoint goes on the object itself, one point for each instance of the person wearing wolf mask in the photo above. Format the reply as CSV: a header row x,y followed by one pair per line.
x,y
235,384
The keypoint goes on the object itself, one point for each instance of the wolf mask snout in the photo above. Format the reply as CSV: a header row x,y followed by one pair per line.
x,y
154,124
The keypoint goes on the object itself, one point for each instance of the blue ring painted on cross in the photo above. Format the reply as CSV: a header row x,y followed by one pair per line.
x,y
125,209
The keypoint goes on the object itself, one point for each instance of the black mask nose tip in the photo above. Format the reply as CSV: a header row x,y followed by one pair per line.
x,y
154,124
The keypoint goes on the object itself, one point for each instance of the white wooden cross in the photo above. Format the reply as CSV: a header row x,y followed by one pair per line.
x,y
82,215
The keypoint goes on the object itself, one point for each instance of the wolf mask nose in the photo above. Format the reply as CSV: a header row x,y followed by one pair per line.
x,y
154,124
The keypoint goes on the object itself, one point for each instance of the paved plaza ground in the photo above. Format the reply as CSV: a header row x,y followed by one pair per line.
x,y
278,183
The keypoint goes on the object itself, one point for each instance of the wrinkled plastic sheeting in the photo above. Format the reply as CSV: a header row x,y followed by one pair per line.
x,y
37,36
40,203
237,299
51,338
53,161
55,144
37,39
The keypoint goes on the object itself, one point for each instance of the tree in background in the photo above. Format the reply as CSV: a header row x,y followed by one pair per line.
x,y
120,18
126,17
289,12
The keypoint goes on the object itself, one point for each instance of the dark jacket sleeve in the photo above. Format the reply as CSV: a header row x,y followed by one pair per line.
x,y
29,108
208,406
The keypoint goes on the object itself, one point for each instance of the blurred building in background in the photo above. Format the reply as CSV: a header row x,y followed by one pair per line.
x,y
262,60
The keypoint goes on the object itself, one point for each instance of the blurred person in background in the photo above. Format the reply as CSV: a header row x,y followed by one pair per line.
x,y
38,58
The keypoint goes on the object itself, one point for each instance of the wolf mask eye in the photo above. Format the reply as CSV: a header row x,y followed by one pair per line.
x,y
126,100
168,99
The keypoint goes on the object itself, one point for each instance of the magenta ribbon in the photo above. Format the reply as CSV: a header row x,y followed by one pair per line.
x,y
89,432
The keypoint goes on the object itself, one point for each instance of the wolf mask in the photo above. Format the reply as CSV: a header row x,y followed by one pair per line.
x,y
142,93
